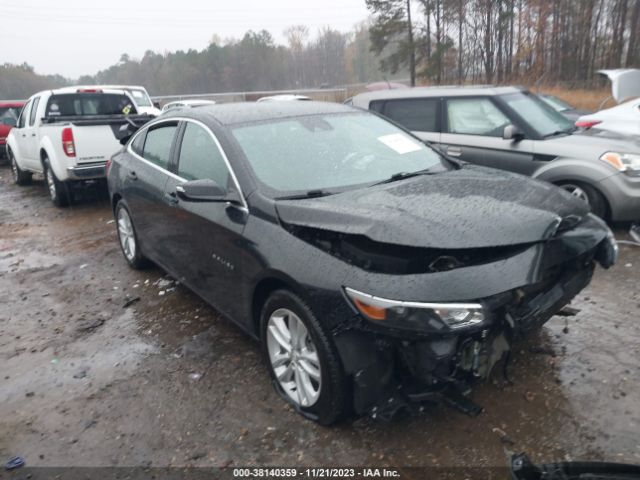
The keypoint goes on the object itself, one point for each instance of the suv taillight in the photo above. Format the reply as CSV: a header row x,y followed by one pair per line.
x,y
67,142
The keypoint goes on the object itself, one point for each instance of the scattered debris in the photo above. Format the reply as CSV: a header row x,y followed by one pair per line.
x,y
80,374
568,311
91,326
29,394
55,361
529,396
109,222
130,301
161,293
195,376
504,438
13,463
84,265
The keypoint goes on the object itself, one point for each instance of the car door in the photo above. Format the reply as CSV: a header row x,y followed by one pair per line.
x,y
420,115
473,129
32,142
20,135
145,176
207,236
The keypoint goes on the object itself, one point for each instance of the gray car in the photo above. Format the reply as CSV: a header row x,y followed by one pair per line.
x,y
512,129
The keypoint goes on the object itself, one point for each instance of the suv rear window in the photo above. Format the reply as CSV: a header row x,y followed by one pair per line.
x,y
10,112
416,114
73,104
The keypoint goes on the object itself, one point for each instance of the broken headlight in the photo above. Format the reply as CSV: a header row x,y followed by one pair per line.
x,y
435,317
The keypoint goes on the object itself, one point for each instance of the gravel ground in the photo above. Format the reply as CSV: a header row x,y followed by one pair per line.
x,y
166,381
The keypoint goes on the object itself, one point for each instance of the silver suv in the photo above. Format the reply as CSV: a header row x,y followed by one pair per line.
x,y
512,129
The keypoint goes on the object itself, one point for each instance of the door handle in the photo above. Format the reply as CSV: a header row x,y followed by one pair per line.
x,y
33,134
454,151
24,135
171,198
132,175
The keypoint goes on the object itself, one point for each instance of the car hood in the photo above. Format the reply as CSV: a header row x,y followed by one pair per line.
x,y
593,139
472,207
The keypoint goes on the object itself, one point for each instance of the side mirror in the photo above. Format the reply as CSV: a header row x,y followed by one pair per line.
x,y
9,121
205,191
511,132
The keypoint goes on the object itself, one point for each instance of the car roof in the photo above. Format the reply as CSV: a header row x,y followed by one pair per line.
x,y
11,103
248,112
363,99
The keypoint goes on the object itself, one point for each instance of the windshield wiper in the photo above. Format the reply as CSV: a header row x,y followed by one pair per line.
x,y
560,132
402,175
310,194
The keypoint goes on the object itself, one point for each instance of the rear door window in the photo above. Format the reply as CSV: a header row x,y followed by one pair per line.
x,y
157,145
200,157
475,116
80,104
419,115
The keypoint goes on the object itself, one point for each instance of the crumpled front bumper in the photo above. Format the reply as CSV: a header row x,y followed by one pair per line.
x,y
396,370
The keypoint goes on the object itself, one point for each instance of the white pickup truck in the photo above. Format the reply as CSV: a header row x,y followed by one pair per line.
x,y
68,135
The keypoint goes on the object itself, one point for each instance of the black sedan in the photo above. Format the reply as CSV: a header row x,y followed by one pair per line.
x,y
375,272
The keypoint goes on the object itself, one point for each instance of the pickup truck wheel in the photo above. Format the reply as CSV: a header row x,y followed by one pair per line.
x,y
129,239
588,194
19,177
59,192
302,359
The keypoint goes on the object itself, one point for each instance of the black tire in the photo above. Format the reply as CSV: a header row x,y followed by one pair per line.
x,y
332,403
596,200
136,261
59,192
20,177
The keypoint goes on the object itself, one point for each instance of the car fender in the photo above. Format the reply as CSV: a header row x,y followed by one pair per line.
x,y
46,146
12,144
576,170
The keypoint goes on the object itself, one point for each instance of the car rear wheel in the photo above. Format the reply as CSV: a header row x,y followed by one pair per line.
x,y
588,194
19,177
59,192
302,359
129,239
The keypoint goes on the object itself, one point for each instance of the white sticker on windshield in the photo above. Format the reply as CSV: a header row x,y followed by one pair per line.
x,y
400,143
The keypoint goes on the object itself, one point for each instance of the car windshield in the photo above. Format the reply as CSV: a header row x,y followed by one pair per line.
x,y
141,98
537,114
332,151
556,103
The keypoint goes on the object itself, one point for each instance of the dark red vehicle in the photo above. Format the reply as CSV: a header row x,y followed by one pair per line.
x,y
9,114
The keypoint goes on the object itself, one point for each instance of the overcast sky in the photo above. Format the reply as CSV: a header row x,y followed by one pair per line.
x,y
75,37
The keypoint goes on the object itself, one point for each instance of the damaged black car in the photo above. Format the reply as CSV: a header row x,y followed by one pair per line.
x,y
375,272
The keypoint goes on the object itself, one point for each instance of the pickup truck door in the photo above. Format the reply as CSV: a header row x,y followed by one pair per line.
x,y
473,128
31,139
207,244
20,134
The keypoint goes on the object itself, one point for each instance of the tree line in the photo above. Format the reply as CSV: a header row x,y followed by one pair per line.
x,y
505,41
430,41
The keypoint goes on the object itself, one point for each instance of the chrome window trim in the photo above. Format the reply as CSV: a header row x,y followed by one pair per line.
x,y
153,123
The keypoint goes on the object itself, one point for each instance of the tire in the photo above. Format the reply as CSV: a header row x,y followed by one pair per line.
x,y
322,398
20,177
59,192
128,239
589,194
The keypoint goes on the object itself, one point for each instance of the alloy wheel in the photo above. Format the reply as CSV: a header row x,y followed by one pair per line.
x,y
51,183
294,357
577,192
126,235
14,168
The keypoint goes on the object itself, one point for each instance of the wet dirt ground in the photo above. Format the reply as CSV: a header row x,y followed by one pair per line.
x,y
86,381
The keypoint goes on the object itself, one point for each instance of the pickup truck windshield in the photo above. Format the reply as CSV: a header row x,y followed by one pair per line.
x,y
540,116
141,97
80,104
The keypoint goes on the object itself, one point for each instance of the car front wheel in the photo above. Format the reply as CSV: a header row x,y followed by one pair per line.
x,y
302,359
587,194
19,177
